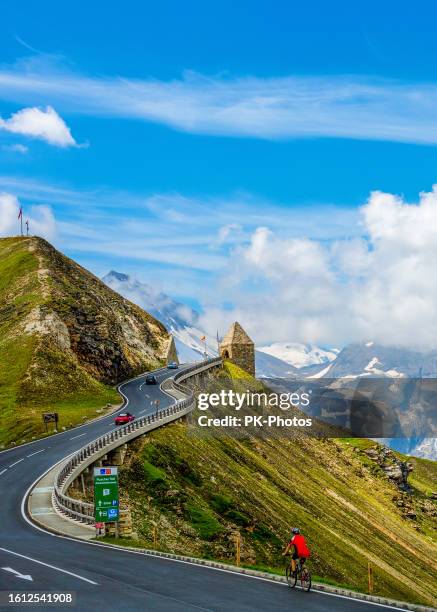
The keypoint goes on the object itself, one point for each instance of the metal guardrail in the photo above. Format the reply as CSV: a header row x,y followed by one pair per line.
x,y
83,511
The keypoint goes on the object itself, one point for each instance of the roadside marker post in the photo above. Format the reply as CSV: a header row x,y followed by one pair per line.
x,y
237,540
155,537
370,577
106,496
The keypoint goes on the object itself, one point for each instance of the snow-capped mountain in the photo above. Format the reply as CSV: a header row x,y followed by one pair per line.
x,y
374,360
300,355
426,448
399,372
179,319
183,322
268,366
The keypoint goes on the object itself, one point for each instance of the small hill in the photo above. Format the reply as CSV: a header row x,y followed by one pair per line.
x,y
198,491
65,338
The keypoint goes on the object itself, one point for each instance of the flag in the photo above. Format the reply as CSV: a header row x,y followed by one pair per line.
x,y
20,214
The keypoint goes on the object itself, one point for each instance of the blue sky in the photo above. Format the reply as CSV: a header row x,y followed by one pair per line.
x,y
184,127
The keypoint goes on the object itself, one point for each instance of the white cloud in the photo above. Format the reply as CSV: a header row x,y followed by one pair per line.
x,y
225,232
41,219
16,148
272,108
382,286
377,284
39,123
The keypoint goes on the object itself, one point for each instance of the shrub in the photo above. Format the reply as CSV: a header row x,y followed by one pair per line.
x,y
154,476
221,503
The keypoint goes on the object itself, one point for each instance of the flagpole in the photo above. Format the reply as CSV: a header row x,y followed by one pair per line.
x,y
20,216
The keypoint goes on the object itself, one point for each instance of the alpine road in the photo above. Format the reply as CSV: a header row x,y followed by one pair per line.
x,y
106,578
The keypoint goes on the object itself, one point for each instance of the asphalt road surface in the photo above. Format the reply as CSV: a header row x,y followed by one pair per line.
x,y
110,579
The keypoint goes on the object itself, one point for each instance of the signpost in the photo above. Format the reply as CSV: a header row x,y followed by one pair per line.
x,y
106,501
50,417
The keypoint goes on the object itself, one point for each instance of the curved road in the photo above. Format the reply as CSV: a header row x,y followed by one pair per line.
x,y
109,579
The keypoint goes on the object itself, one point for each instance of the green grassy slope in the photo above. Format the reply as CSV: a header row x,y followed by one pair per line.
x,y
59,329
200,491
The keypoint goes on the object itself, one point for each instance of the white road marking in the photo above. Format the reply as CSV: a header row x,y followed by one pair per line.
x,y
36,452
3,471
19,461
18,574
58,569
141,386
79,436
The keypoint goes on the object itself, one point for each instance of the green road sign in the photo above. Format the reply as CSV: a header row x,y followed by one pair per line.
x,y
106,503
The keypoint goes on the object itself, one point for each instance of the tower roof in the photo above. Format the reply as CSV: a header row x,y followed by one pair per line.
x,y
236,335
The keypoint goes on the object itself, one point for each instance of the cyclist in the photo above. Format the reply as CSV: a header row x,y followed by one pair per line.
x,y
300,548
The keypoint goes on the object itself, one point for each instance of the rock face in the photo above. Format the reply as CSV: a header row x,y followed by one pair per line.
x,y
171,354
239,348
397,471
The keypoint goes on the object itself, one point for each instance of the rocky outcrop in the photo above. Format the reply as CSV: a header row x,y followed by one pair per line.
x,y
397,471
110,337
69,314
171,355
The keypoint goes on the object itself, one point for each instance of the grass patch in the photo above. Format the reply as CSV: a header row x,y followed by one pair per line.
x,y
203,521
154,477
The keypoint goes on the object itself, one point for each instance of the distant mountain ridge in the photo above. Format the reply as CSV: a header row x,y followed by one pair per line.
x,y
369,359
300,355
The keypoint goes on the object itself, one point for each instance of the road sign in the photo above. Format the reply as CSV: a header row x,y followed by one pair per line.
x,y
49,417
106,502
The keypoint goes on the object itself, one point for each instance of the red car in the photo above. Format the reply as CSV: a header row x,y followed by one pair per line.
x,y
123,418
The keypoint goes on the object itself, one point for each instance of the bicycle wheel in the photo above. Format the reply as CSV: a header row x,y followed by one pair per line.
x,y
305,579
291,578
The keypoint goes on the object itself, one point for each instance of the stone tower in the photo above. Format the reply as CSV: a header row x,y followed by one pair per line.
x,y
239,348
171,354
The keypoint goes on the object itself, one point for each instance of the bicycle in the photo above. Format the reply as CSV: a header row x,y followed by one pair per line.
x,y
302,573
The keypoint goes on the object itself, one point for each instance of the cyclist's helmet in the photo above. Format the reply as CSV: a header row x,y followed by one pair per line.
x,y
295,531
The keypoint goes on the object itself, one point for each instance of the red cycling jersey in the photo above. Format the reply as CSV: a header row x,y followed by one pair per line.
x,y
300,544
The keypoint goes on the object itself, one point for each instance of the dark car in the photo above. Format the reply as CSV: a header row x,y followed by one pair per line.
x,y
172,365
123,418
151,379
